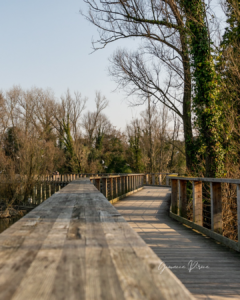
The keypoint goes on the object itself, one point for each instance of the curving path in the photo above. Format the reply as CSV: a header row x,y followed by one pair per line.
x,y
208,269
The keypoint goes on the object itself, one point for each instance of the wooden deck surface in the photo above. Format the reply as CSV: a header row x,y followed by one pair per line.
x,y
76,245
177,245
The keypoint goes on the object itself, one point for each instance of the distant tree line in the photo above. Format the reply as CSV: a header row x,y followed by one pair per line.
x,y
41,134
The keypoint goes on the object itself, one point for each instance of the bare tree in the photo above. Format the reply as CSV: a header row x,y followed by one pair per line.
x,y
94,121
72,108
43,116
67,116
11,101
161,25
4,117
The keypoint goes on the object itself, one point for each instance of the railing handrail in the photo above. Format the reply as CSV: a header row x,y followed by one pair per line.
x,y
115,176
207,179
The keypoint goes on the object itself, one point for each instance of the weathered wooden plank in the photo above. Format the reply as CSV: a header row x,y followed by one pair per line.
x,y
76,245
177,244
128,268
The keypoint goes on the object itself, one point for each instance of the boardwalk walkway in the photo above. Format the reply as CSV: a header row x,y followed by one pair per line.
x,y
181,247
75,246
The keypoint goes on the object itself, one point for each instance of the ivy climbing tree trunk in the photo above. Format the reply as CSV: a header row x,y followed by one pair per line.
x,y
206,104
187,103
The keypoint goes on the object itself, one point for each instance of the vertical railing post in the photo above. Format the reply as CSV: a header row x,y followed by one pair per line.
x,y
197,203
147,182
36,192
44,191
116,187
120,186
174,196
40,192
33,198
167,180
153,179
97,181
127,183
216,207
105,187
183,198
159,179
111,188
238,214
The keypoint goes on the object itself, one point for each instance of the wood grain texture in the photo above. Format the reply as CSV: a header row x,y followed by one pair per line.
x,y
197,203
177,245
76,245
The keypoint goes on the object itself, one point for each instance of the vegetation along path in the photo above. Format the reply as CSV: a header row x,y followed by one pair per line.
x,y
209,270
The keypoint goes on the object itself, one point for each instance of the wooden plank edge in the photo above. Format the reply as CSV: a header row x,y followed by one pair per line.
x,y
222,239
115,200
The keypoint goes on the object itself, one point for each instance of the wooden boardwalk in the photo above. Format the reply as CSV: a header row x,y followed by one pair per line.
x,y
75,246
182,248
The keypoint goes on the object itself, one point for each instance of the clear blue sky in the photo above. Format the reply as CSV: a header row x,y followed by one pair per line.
x,y
48,44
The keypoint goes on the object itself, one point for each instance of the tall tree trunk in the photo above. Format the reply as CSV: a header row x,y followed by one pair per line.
x,y
187,120
207,107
